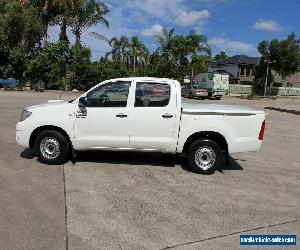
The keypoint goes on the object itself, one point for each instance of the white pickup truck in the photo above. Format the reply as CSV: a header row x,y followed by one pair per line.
x,y
140,114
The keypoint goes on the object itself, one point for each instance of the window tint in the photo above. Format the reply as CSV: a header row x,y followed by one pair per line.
x,y
152,94
109,95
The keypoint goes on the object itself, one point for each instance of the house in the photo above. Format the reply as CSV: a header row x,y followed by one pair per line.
x,y
240,68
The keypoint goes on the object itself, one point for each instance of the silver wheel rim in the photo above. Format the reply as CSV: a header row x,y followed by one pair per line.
x,y
205,158
49,148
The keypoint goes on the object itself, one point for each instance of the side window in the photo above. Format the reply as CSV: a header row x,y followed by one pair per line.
x,y
113,94
152,94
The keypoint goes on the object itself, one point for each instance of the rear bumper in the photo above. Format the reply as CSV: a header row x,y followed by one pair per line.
x,y
200,93
219,93
244,145
23,132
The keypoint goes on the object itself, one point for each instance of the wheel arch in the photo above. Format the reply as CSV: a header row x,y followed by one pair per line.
x,y
40,129
212,135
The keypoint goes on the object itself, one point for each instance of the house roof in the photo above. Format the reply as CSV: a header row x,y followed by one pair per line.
x,y
238,59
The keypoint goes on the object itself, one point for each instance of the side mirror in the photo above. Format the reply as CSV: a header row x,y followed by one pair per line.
x,y
83,101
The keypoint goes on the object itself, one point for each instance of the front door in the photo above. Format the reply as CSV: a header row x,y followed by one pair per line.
x,y
153,116
104,122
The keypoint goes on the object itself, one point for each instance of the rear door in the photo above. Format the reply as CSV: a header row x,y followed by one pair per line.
x,y
153,116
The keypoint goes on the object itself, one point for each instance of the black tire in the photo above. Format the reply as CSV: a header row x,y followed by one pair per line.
x,y
208,149
218,97
53,139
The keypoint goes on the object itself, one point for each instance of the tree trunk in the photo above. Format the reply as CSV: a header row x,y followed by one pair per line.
x,y
46,21
63,31
78,36
133,63
45,38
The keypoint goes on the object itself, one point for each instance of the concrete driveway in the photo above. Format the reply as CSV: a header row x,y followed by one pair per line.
x,y
114,200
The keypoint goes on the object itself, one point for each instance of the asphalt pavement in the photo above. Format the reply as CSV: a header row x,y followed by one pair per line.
x,y
123,200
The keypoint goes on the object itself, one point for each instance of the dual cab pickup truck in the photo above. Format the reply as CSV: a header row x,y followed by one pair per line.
x,y
140,114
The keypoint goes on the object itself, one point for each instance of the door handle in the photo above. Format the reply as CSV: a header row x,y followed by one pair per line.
x,y
167,116
121,115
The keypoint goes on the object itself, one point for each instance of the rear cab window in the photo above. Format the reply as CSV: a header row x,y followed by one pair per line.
x,y
152,94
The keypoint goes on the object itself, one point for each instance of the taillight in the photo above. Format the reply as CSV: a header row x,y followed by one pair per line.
x,y
262,131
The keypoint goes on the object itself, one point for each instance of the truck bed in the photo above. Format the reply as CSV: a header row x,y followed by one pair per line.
x,y
240,126
219,109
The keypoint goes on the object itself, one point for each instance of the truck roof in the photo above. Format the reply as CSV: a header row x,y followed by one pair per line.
x,y
143,78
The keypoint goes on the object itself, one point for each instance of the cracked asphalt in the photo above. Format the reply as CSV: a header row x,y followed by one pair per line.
x,y
118,200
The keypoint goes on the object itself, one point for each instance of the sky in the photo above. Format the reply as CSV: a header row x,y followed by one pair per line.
x,y
233,26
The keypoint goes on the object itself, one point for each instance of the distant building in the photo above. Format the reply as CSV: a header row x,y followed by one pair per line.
x,y
289,81
240,68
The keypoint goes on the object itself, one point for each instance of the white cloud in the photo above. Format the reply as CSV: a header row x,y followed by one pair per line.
x,y
269,25
173,12
156,8
232,47
190,18
145,17
153,31
213,1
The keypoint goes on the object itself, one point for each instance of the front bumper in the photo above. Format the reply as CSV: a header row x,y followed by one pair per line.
x,y
23,132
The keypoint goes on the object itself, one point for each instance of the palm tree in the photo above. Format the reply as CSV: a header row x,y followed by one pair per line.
x,y
138,51
166,40
197,44
87,14
120,49
52,11
66,9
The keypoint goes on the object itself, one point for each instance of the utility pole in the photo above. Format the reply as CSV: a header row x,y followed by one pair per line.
x,y
266,82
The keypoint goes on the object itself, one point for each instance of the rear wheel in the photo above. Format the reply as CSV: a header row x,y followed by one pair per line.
x,y
218,97
52,147
204,156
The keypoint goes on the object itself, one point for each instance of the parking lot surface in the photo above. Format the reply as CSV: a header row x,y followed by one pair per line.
x,y
122,200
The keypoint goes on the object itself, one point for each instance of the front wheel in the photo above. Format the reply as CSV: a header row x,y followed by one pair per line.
x,y
52,147
204,156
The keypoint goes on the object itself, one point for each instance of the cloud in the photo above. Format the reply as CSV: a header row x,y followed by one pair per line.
x,y
213,2
153,31
146,18
269,25
232,47
190,18
175,12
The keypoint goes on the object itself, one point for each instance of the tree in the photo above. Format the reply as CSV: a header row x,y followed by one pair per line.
x,y
198,44
138,52
21,30
222,55
285,53
285,58
49,10
165,40
120,50
80,67
87,14
49,65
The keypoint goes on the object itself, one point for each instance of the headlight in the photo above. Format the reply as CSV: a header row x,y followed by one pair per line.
x,y
25,115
